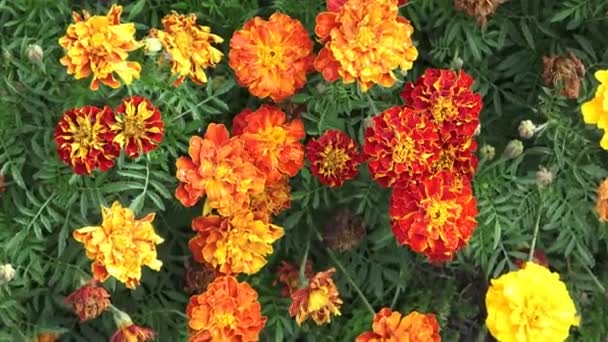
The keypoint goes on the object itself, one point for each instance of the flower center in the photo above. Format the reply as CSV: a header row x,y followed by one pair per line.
x,y
85,134
365,37
271,57
438,212
403,150
444,109
183,40
333,160
225,319
317,299
445,161
133,126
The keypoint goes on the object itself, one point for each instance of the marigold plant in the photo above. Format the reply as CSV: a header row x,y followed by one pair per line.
x,y
390,325
334,158
89,301
138,126
318,300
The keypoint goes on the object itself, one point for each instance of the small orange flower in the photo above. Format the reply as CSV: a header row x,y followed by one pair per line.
x,y
319,300
389,326
139,126
601,204
271,57
334,158
133,333
272,201
227,311
233,244
84,139
435,217
89,301
100,45
336,5
47,337
189,46
289,275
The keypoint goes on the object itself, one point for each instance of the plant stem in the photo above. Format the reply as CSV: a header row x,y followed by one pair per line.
x,y
302,272
351,282
536,229
595,280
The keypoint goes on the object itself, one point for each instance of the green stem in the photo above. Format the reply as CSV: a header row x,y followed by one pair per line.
x,y
302,272
595,280
351,282
372,104
536,229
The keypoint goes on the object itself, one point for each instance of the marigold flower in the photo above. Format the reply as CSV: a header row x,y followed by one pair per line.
x,y
318,300
233,244
50,336
289,275
457,158
138,127
271,57
275,198
480,10
390,326
227,311
100,45
435,217
121,245
595,111
336,5
218,167
189,46
133,333
601,204
334,158
400,145
84,139
530,304
89,301
566,71
364,42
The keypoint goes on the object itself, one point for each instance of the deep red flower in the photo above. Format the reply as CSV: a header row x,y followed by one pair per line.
x,y
138,126
334,158
89,301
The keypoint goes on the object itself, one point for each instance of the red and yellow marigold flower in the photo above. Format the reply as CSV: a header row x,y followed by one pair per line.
x,y
227,311
289,275
100,45
271,57
218,167
138,126
121,245
458,158
84,139
318,300
189,46
365,41
89,301
334,158
400,145
133,333
389,326
435,217
236,244
595,111
275,198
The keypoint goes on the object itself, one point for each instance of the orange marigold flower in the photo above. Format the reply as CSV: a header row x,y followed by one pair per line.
x,y
275,198
233,244
100,45
84,139
392,326
130,332
435,217
336,5
601,204
89,301
139,126
289,275
227,311
274,143
319,300
189,46
218,167
271,57
121,245
334,158
364,42
400,145
49,336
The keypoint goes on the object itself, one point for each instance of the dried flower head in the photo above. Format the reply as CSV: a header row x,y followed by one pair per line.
x,y
478,9
89,301
197,276
344,231
544,176
601,204
289,275
565,72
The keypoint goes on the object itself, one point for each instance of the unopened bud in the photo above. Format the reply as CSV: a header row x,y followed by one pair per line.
x,y
514,149
487,152
526,129
544,177
368,122
321,87
477,130
152,46
35,53
7,273
457,63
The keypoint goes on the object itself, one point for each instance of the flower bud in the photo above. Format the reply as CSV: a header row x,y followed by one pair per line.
x,y
544,177
7,273
487,152
526,129
152,46
457,63
514,149
35,53
477,130
321,87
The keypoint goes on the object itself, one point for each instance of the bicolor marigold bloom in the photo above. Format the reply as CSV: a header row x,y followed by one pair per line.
x,y
318,300
601,202
275,198
334,158
220,168
458,158
89,301
530,304
237,244
271,57
445,96
84,139
100,45
227,311
273,142
189,46
289,275
133,333
138,126
435,217
365,41
595,111
390,325
121,245
400,145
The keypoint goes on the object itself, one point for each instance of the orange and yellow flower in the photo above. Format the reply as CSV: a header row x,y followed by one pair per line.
x,y
289,275
89,301
457,157
271,57
435,217
84,139
336,5
365,41
601,202
237,244
391,326
121,245
218,167
400,145
318,300
595,111
189,46
138,126
227,311
334,158
100,45
133,333
272,201
48,336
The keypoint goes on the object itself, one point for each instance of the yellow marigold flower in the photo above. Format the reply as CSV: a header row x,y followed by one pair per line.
x,y
364,42
595,111
530,304
100,45
189,46
319,300
121,245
